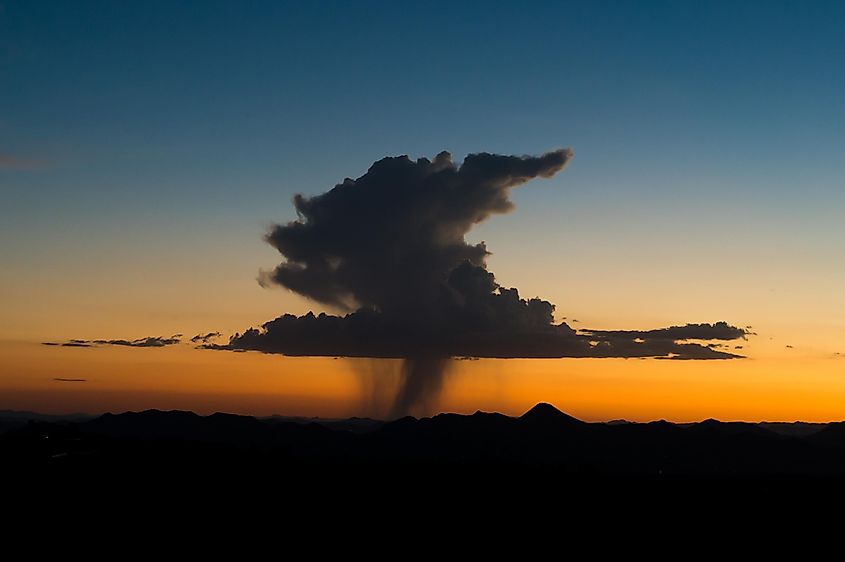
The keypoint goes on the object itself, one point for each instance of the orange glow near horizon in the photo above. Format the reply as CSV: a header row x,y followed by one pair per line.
x,y
772,387
793,371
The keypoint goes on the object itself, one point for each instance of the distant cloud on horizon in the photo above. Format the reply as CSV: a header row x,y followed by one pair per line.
x,y
152,341
205,338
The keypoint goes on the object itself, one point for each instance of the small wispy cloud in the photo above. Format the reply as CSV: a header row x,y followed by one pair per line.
x,y
13,162
205,338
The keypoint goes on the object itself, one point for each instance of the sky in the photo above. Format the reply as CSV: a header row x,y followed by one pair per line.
x,y
147,147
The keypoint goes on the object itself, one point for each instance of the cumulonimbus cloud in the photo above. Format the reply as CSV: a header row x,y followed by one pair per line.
x,y
389,249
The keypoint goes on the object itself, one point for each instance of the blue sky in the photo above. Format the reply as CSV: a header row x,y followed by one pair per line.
x,y
168,130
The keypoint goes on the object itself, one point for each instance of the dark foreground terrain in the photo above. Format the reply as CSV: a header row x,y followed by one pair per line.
x,y
449,465
544,439
544,471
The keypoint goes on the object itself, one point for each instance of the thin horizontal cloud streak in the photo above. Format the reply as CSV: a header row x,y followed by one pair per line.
x,y
205,338
12,162
717,331
151,341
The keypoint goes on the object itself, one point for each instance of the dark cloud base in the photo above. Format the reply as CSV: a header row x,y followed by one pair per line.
x,y
368,334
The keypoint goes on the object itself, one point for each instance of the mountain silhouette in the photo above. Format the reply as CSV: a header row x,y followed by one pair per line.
x,y
544,413
544,438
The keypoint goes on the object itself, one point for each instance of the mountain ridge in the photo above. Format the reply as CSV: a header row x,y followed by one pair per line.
x,y
544,436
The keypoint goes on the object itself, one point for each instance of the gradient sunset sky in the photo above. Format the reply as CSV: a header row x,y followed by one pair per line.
x,y
146,147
